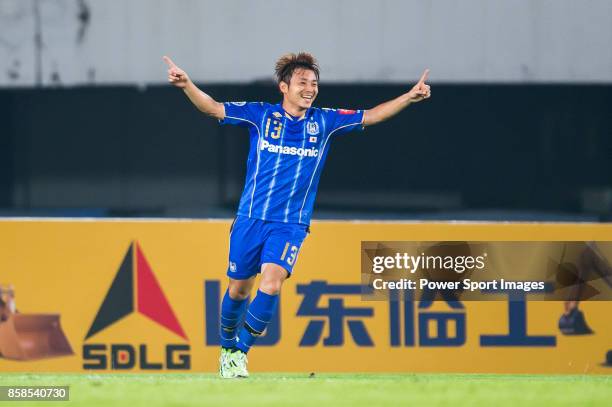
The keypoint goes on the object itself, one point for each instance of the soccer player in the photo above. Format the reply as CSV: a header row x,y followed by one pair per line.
x,y
589,264
289,142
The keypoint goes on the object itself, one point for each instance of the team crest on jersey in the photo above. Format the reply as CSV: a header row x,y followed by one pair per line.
x,y
238,103
232,267
277,115
312,128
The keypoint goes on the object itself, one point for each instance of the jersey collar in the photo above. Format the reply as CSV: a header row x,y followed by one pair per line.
x,y
279,106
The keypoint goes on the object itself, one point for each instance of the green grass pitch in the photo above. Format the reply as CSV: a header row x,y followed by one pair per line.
x,y
291,389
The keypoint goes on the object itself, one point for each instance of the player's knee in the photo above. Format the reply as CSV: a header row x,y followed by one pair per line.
x,y
238,292
271,286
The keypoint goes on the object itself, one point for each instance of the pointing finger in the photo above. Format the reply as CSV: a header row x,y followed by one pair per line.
x,y
170,63
424,76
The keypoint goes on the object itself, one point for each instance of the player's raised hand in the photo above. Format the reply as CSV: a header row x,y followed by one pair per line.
x,y
421,90
176,75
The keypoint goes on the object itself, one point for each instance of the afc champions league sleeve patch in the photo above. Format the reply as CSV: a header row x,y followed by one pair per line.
x,y
346,111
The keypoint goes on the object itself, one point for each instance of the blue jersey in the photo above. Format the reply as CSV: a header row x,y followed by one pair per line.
x,y
286,157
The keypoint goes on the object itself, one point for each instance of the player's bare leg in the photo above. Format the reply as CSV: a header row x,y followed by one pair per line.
x,y
240,289
272,278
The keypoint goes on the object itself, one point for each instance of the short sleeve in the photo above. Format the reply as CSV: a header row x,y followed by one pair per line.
x,y
341,121
242,113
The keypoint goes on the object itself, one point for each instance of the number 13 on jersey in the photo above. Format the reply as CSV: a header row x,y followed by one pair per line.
x,y
289,254
277,126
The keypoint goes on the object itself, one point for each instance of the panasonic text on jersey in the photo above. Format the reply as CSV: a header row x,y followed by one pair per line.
x,y
299,151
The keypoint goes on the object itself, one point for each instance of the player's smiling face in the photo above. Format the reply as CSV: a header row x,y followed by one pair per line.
x,y
302,89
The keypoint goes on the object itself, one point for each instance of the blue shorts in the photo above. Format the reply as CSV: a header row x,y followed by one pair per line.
x,y
254,242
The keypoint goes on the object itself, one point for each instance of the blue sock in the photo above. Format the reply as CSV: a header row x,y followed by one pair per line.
x,y
231,316
258,316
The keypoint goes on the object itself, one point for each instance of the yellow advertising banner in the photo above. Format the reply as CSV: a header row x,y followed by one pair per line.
x,y
144,295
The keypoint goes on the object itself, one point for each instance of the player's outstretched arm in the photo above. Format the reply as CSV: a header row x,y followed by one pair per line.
x,y
201,100
386,110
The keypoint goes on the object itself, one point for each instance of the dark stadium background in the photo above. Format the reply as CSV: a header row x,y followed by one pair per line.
x,y
485,151
519,126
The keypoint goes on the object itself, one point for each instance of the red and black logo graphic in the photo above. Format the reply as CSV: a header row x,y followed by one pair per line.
x,y
142,286
134,289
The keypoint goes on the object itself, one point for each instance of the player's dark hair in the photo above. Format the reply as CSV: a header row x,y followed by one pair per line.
x,y
288,63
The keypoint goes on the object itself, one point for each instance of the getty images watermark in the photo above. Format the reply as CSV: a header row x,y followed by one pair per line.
x,y
479,270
